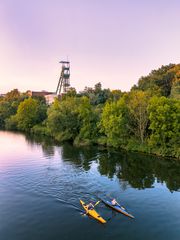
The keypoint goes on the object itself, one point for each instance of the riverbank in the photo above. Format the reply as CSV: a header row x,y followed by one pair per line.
x,y
133,146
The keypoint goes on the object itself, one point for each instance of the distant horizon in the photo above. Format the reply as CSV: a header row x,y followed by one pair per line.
x,y
112,42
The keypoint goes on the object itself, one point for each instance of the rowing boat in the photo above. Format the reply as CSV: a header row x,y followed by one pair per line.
x,y
117,207
92,212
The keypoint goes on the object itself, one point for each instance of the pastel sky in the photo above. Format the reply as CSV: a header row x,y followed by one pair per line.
x,y
111,41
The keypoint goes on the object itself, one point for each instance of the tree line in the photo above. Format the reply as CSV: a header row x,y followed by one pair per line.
x,y
144,119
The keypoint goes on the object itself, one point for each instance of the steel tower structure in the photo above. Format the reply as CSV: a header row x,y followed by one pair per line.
x,y
64,79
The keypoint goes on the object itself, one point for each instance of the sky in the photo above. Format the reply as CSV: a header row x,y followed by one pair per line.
x,y
114,42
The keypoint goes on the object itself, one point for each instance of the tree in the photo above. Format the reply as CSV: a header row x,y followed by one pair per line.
x,y
114,123
97,95
71,92
63,119
164,115
6,110
12,95
89,116
97,88
116,95
175,90
11,123
9,105
160,81
137,102
29,113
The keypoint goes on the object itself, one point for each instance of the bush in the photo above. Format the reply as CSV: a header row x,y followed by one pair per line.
x,y
41,129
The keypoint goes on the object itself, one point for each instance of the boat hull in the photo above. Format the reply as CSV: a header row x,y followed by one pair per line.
x,y
117,208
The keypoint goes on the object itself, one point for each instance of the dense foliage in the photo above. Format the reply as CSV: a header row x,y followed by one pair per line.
x,y
165,125
144,119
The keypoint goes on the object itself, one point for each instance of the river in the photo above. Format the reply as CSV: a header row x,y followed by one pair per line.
x,y
41,184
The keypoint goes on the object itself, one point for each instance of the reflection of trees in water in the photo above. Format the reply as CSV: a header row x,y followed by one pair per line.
x,y
48,150
46,143
107,165
140,171
80,156
169,171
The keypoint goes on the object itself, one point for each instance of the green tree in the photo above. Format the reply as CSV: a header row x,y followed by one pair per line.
x,y
116,95
97,95
89,116
29,113
137,102
160,81
71,92
175,90
114,123
164,115
6,110
11,123
63,120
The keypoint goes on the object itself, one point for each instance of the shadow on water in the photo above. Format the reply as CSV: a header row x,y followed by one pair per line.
x,y
138,170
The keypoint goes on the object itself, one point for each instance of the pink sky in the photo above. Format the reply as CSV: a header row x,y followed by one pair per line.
x,y
111,41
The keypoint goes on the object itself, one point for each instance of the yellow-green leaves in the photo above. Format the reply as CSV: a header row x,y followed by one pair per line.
x,y
164,115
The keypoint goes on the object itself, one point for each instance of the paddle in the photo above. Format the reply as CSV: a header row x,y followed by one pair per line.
x,y
113,215
93,207
97,203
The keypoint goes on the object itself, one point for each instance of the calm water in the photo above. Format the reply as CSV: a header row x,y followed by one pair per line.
x,y
41,184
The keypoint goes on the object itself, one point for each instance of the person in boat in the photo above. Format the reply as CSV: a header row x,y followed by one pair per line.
x,y
90,206
113,202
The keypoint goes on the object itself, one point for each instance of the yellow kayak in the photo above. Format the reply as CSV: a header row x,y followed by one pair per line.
x,y
92,213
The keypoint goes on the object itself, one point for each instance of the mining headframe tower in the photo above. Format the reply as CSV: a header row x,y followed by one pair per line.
x,y
64,79
62,87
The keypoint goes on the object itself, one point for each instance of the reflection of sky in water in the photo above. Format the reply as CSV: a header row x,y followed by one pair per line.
x,y
12,145
14,148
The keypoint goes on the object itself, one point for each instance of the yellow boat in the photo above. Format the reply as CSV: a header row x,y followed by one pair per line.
x,y
92,213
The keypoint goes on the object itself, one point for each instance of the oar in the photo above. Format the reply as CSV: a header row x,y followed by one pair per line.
x,y
97,203
113,215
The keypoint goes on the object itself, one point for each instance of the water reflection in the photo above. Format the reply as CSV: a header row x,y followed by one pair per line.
x,y
47,144
138,170
81,156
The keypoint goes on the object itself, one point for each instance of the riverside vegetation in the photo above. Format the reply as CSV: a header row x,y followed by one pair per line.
x,y
144,119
